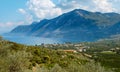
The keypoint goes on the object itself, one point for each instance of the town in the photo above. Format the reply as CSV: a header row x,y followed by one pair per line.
x,y
67,47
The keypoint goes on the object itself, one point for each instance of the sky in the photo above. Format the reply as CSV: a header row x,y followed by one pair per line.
x,y
24,12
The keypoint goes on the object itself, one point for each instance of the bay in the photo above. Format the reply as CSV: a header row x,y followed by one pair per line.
x,y
29,40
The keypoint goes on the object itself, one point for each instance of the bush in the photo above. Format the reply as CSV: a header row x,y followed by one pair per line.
x,y
57,68
88,67
1,38
16,62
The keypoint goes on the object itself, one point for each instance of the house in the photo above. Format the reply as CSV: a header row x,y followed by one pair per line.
x,y
115,49
70,51
82,50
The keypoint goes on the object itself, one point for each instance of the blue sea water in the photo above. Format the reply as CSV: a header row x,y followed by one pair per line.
x,y
28,40
31,40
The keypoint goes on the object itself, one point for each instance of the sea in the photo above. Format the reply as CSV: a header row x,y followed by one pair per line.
x,y
32,40
29,40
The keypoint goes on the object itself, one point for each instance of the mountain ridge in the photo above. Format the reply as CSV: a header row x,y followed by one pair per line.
x,y
77,24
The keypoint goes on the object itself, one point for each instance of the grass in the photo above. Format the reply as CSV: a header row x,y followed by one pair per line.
x,y
108,52
109,60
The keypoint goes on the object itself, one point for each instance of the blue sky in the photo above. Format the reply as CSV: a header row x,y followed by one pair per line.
x,y
21,12
9,13
9,9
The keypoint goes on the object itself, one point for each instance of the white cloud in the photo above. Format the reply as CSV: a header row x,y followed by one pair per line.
x,y
91,5
28,16
7,26
11,24
68,5
103,5
22,11
43,8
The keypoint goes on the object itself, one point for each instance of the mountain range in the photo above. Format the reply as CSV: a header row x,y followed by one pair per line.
x,y
78,25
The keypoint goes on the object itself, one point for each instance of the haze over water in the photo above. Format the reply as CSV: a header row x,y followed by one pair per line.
x,y
31,40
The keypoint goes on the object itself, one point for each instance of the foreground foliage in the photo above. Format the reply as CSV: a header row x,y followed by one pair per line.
x,y
21,58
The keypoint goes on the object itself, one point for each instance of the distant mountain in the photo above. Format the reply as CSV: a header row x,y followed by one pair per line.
x,y
80,25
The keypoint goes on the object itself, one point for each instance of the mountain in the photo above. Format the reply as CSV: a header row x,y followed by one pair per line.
x,y
78,25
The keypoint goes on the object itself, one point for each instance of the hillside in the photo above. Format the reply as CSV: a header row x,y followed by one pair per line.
x,y
107,52
21,58
77,25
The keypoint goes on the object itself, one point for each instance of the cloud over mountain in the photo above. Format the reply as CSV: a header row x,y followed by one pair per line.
x,y
93,5
43,8
103,5
51,8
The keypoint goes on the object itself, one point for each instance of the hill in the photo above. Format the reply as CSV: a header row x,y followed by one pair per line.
x,y
21,58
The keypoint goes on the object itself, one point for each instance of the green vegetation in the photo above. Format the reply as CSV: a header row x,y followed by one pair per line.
x,y
106,52
21,58
0,38
109,60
